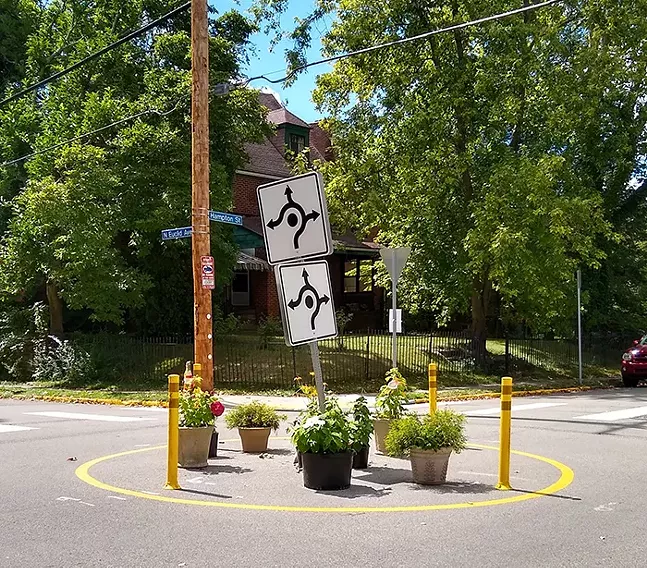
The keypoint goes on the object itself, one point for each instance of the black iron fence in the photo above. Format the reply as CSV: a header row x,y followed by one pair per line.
x,y
357,360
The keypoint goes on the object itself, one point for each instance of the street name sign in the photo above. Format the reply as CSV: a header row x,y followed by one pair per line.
x,y
306,302
221,217
295,219
179,233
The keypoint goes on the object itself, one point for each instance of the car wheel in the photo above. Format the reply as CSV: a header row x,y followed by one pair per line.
x,y
629,381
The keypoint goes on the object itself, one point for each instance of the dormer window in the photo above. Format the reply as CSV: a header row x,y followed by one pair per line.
x,y
297,143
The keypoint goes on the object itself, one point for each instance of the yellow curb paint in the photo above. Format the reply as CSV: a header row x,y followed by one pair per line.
x,y
565,479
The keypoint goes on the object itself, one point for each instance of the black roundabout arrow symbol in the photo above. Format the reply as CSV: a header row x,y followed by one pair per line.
x,y
292,219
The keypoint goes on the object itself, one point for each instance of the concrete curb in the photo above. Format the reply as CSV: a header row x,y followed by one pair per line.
x,y
298,407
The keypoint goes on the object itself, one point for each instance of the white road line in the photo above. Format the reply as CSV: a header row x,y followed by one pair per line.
x,y
614,415
98,417
516,408
11,428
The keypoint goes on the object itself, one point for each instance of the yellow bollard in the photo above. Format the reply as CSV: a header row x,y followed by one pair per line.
x,y
173,432
504,444
433,387
197,372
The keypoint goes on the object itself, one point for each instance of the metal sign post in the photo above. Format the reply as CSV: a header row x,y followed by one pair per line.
x,y
394,260
295,224
579,320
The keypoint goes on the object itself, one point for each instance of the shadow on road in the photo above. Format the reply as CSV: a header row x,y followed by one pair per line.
x,y
355,491
567,497
468,487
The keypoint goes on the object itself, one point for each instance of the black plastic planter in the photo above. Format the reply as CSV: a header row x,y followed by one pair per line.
x,y
213,446
327,471
360,458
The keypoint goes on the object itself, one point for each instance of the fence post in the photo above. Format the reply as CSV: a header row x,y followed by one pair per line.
x,y
173,432
507,353
294,363
368,353
504,444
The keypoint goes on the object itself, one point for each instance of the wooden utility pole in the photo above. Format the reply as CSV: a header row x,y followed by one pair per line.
x,y
201,245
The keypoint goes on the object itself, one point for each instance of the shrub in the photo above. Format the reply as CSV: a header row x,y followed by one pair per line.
x,y
442,429
389,403
254,415
327,433
361,426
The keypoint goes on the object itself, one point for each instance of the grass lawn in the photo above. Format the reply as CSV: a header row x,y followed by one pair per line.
x,y
357,365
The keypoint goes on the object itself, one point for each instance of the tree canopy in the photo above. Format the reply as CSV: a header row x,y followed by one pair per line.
x,y
507,154
81,223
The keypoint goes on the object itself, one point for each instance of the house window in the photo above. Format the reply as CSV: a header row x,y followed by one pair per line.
x,y
358,275
240,289
297,143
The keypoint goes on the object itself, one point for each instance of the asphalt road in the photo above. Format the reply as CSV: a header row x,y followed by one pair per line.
x,y
51,517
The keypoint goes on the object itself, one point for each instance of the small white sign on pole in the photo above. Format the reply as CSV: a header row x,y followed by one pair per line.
x,y
398,321
306,302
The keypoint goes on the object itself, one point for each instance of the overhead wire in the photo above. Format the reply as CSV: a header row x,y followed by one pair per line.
x,y
294,71
424,35
99,53
85,135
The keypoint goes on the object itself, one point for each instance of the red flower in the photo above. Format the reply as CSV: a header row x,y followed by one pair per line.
x,y
217,408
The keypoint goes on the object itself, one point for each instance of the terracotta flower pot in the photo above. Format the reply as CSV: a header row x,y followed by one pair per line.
x,y
254,440
381,427
193,446
429,467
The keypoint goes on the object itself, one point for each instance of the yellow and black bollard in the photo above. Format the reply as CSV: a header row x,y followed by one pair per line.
x,y
433,387
173,432
504,444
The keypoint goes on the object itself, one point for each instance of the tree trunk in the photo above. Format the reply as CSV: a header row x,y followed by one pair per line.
x,y
55,310
480,301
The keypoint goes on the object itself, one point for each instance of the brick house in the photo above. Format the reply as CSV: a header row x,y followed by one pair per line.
x,y
252,294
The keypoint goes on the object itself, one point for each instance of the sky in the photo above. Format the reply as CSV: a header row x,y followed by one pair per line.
x,y
297,97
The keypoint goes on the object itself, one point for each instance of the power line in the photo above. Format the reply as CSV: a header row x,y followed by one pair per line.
x,y
405,40
96,54
82,136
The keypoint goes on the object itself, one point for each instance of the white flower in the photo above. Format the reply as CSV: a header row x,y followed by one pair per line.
x,y
393,384
313,421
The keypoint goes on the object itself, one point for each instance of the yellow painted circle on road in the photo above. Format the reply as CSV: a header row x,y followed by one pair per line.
x,y
565,479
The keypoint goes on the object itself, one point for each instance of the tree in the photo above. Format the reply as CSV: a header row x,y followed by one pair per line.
x,y
503,153
85,223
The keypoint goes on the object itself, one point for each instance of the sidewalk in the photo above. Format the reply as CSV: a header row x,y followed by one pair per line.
x,y
299,403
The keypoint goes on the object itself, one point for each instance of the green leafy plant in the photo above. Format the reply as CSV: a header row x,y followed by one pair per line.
x,y
254,415
361,425
198,408
343,319
442,429
269,328
390,400
326,433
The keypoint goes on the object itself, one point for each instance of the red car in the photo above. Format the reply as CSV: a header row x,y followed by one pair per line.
x,y
634,363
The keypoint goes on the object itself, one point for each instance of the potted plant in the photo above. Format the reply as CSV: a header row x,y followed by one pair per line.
x,y
198,411
428,442
254,422
389,405
361,428
323,442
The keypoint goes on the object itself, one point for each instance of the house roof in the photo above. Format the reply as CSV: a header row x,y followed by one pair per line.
x,y
249,262
282,116
265,158
269,101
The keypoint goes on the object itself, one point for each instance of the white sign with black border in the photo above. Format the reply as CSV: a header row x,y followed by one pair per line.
x,y
307,306
295,221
